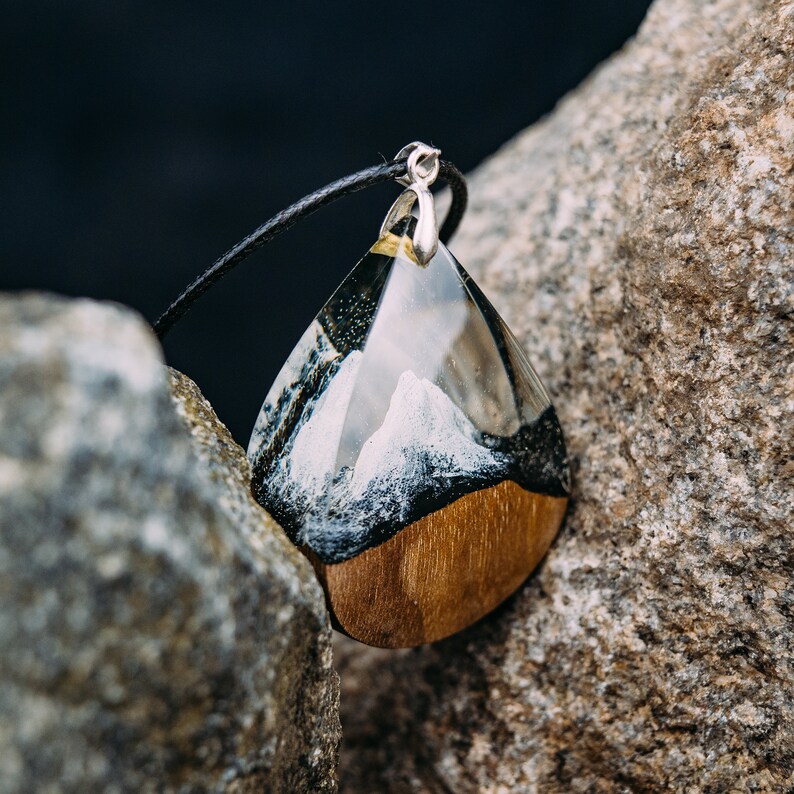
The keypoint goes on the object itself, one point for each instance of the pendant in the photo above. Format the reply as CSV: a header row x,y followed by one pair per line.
x,y
408,447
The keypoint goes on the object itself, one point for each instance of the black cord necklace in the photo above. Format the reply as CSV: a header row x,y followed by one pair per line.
x,y
302,208
407,446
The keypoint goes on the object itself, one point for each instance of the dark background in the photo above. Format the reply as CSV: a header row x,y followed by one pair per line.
x,y
140,140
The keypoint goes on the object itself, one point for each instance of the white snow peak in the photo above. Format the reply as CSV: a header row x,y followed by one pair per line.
x,y
421,428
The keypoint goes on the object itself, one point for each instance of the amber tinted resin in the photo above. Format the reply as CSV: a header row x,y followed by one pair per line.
x,y
407,394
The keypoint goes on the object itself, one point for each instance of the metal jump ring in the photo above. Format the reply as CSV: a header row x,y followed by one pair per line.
x,y
422,167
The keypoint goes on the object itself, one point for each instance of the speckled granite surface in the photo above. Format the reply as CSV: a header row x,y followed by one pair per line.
x,y
158,632
640,242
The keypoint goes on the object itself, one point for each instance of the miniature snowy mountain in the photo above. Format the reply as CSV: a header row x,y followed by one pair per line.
x,y
424,439
406,393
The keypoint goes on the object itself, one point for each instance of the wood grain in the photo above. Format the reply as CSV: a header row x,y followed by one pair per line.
x,y
444,572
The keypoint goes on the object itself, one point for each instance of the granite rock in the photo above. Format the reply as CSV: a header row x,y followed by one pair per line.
x,y
158,631
640,242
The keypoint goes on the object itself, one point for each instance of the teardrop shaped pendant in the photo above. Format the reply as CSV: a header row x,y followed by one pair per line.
x,y
408,447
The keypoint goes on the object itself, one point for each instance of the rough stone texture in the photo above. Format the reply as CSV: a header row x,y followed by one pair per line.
x,y
640,241
158,631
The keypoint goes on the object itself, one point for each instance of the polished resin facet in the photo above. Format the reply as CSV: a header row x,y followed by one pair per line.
x,y
407,394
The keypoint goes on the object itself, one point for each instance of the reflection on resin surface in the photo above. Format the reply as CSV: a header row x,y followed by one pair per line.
x,y
406,393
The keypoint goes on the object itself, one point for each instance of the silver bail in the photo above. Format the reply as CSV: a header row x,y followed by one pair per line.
x,y
422,168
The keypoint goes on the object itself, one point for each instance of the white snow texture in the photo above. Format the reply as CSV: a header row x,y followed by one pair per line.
x,y
424,440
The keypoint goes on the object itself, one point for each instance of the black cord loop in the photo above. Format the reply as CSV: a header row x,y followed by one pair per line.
x,y
300,209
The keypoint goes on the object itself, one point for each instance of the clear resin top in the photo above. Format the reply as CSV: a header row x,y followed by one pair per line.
x,y
406,392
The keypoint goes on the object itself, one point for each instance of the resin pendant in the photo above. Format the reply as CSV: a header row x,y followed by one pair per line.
x,y
408,447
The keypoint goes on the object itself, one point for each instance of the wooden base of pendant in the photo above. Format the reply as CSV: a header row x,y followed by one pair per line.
x,y
444,572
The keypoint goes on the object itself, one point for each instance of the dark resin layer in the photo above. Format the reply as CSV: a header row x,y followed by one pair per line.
x,y
534,458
